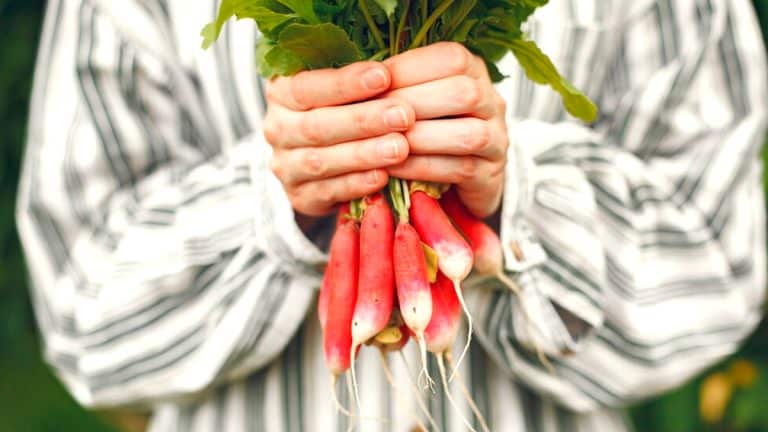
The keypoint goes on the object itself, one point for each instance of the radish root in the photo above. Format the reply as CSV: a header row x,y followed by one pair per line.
x,y
336,401
512,285
465,392
424,373
355,390
396,388
457,287
447,390
416,391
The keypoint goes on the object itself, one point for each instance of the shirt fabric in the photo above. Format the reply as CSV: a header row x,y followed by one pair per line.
x,y
168,272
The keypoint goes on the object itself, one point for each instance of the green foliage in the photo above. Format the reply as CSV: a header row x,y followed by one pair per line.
x,y
353,30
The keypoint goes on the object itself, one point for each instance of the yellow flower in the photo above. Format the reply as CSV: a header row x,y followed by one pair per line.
x,y
742,373
714,395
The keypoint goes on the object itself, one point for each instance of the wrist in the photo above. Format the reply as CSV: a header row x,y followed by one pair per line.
x,y
318,229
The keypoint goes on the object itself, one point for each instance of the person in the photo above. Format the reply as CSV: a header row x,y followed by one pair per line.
x,y
174,211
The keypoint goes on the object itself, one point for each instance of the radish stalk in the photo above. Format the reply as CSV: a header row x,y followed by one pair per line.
x,y
465,392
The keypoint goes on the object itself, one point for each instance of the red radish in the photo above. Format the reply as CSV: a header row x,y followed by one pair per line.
x,y
485,244
446,316
376,281
322,300
341,275
454,255
412,284
489,257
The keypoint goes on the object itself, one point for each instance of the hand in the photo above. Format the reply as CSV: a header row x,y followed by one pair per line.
x,y
460,135
331,144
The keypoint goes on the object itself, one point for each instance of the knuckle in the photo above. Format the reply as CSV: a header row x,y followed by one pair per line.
x,y
470,94
325,196
459,58
309,130
276,167
313,163
298,91
272,129
479,138
468,169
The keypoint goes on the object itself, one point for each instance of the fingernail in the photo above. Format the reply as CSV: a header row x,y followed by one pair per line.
x,y
388,148
375,79
396,118
373,177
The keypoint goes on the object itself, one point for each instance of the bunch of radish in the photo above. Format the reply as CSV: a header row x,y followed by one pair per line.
x,y
397,260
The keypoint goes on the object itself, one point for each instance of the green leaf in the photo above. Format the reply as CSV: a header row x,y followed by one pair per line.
x,y
319,45
268,15
388,6
539,68
275,61
304,8
211,31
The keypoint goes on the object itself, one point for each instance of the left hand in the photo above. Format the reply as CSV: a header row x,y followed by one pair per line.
x,y
460,134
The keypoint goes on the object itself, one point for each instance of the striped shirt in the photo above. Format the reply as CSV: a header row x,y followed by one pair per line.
x,y
168,272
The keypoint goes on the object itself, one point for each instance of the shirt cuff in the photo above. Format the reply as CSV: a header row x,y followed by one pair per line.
x,y
275,224
521,249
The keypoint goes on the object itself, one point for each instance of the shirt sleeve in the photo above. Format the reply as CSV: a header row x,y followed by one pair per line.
x,y
161,261
639,242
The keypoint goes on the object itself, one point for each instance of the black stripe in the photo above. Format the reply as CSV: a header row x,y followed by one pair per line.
x,y
137,368
95,99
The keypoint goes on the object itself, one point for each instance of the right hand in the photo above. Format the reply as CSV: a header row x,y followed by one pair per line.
x,y
331,143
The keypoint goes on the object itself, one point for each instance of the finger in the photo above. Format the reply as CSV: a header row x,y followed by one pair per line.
x,y
332,125
327,87
465,136
320,197
452,96
315,163
479,181
433,62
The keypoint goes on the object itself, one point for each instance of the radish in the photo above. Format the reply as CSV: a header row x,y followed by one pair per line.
x,y
441,333
322,300
489,257
376,281
341,285
454,255
411,276
485,244
413,285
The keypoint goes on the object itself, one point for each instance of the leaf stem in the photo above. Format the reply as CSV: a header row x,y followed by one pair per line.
x,y
401,26
392,39
421,35
371,24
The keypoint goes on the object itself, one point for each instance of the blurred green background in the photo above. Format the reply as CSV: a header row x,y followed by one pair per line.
x,y
733,396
